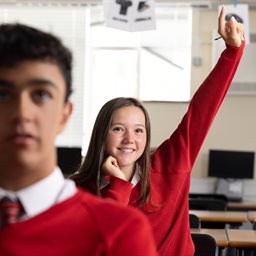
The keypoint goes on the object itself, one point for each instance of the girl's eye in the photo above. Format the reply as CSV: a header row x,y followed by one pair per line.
x,y
139,130
118,129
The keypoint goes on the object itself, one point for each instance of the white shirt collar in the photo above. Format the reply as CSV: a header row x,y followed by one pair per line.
x,y
136,177
44,193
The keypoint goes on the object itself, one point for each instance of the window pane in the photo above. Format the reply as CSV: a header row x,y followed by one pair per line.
x,y
170,81
165,60
163,55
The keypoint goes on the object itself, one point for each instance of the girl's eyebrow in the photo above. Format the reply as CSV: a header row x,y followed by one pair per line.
x,y
138,124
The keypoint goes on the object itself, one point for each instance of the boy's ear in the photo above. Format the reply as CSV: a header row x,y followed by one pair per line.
x,y
67,111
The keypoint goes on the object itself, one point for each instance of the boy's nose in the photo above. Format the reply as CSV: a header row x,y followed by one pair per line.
x,y
22,107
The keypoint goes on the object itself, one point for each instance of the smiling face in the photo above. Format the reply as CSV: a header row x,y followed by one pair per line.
x,y
32,113
127,137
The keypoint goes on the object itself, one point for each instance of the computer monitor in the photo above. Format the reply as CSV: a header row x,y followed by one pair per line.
x,y
69,159
231,164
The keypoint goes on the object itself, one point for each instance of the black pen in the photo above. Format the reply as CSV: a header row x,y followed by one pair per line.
x,y
217,38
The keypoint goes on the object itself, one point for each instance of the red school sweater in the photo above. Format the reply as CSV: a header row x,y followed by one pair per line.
x,y
82,225
172,162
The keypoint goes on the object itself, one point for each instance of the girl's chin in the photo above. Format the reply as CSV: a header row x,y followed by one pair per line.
x,y
125,166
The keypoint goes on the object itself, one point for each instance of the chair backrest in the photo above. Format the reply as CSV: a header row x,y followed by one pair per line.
x,y
69,159
208,195
205,245
194,221
207,204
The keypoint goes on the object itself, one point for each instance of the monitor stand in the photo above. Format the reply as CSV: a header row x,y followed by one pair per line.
x,y
232,188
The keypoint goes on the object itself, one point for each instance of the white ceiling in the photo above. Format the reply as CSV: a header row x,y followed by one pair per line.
x,y
197,3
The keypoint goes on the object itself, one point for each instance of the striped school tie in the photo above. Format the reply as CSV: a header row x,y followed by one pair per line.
x,y
9,211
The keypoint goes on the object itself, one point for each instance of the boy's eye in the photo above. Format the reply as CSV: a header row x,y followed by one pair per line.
x,y
4,95
42,95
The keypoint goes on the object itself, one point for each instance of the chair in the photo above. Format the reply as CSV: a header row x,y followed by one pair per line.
x,y
69,159
207,195
205,245
194,221
209,204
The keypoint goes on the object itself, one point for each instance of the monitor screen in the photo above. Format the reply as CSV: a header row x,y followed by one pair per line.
x,y
69,159
231,164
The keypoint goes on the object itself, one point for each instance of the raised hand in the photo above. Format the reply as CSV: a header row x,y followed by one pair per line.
x,y
231,31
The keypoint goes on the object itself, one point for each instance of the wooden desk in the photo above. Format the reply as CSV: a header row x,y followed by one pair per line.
x,y
236,238
241,238
242,206
232,217
219,235
252,216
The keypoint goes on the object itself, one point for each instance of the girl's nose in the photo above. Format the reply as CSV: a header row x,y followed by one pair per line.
x,y
129,137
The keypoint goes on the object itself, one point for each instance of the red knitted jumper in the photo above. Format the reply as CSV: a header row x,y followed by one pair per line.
x,y
82,225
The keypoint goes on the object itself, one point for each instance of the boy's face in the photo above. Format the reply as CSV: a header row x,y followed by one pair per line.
x,y
32,113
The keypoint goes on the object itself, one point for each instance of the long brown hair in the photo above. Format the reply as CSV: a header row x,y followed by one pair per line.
x,y
90,169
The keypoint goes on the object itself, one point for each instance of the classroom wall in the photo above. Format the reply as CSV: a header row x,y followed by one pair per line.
x,y
235,124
